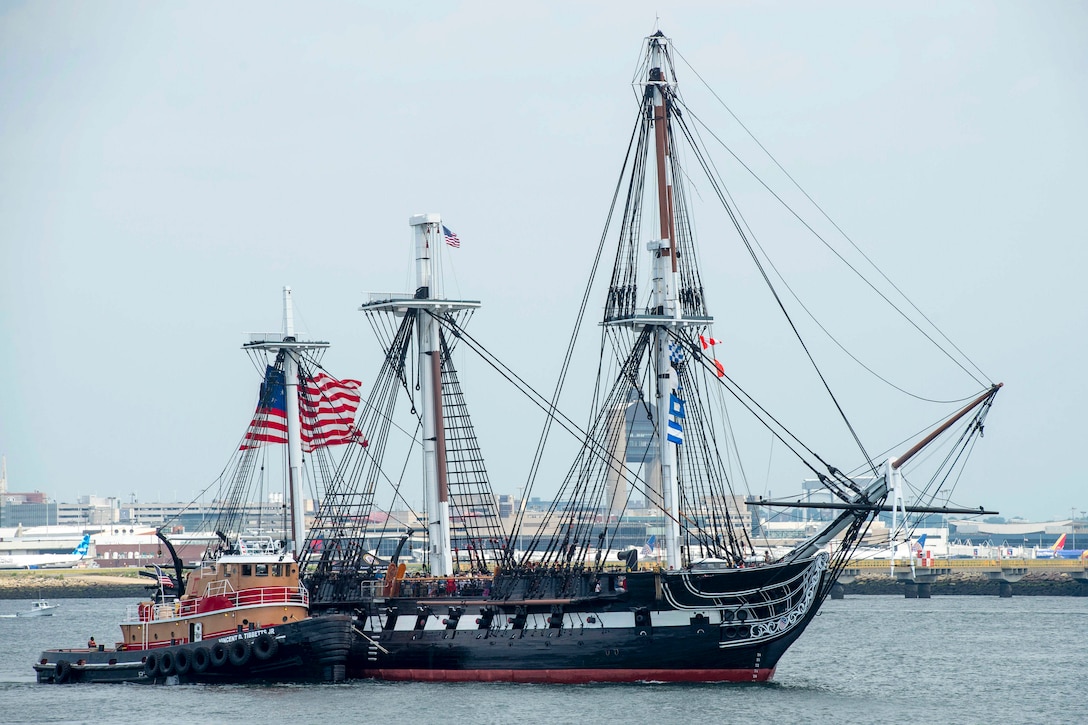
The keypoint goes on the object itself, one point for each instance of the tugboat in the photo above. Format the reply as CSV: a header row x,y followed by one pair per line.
x,y
243,613
247,619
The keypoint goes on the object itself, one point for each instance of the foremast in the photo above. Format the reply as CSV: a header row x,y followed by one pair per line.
x,y
291,350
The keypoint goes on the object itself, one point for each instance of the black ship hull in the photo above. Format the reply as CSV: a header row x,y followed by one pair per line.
x,y
710,626
315,649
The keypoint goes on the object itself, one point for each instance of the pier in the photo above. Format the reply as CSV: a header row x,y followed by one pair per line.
x,y
918,580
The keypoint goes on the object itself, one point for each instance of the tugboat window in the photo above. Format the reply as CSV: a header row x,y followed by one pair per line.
x,y
277,570
247,569
262,570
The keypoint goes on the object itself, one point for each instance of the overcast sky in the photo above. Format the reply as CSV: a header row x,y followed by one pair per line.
x,y
166,168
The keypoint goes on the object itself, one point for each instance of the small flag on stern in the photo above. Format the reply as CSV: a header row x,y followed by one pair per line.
x,y
164,579
451,238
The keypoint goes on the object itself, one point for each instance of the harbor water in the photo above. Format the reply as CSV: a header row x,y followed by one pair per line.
x,y
865,659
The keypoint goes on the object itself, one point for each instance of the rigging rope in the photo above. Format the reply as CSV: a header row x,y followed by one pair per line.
x,y
837,227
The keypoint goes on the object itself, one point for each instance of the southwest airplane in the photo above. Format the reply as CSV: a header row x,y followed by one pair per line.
x,y
1058,551
46,561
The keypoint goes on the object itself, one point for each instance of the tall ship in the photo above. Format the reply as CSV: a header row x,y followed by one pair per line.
x,y
548,599
242,614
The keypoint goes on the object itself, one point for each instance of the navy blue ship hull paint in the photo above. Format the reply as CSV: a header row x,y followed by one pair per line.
x,y
705,627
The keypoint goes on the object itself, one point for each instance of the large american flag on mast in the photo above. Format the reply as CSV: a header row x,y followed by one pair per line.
x,y
326,410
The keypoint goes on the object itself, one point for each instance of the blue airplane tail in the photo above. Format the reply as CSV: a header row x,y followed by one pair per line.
x,y
84,545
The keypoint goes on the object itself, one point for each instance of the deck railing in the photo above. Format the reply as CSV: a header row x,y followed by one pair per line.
x,y
225,599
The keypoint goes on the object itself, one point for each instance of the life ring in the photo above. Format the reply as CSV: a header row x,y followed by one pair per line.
x,y
265,646
151,665
166,663
62,672
202,659
219,655
183,660
239,652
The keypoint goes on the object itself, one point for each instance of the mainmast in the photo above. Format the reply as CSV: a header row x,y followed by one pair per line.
x,y
665,317
427,231
666,303
427,305
291,349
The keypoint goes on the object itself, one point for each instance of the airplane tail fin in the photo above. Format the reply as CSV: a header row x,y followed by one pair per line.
x,y
83,547
648,547
1060,543
921,543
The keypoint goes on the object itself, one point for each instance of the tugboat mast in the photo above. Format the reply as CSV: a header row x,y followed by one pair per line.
x,y
291,349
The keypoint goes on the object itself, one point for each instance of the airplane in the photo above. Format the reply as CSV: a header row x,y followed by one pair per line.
x,y
1058,551
47,561
631,554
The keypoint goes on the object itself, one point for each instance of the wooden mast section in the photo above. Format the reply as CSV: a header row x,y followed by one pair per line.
x,y
666,301
988,395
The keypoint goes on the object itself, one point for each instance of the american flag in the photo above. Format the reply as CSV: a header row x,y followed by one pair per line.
x,y
326,408
164,579
451,238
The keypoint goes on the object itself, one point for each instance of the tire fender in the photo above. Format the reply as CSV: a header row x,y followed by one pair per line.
x,y
202,659
265,646
239,652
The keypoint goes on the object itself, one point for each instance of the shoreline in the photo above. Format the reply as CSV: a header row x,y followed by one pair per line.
x,y
121,583
1032,585
73,584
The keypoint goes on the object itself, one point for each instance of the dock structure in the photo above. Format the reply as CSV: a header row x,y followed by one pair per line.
x,y
918,579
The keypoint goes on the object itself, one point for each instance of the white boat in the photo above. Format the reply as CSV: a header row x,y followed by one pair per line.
x,y
40,608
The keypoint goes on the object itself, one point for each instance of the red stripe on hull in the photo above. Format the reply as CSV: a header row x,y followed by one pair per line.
x,y
573,677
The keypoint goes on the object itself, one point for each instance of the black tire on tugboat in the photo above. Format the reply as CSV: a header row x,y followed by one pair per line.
x,y
166,663
151,665
183,661
265,646
202,659
62,672
219,655
240,652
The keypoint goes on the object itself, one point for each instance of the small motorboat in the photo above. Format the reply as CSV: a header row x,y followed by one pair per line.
x,y
40,608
